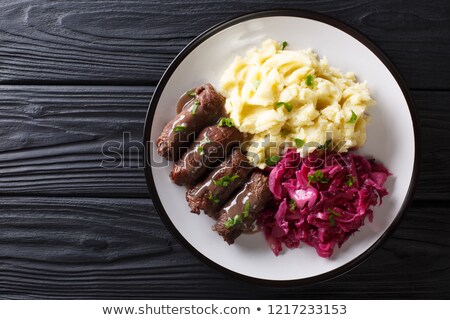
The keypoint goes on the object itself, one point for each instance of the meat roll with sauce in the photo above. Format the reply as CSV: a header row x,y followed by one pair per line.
x,y
206,107
212,145
210,194
241,211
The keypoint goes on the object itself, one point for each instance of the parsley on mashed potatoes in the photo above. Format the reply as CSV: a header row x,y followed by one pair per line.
x,y
280,95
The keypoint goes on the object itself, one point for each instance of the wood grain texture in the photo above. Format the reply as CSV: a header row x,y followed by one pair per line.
x,y
53,136
52,140
132,42
118,248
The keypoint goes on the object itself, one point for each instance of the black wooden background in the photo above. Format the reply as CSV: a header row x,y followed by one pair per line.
x,y
75,74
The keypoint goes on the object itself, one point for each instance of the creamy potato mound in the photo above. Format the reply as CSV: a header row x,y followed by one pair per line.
x,y
280,95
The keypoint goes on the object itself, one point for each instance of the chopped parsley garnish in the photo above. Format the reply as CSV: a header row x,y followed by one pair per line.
x,y
246,211
213,198
331,219
292,205
332,215
237,219
287,105
325,146
179,128
231,222
226,122
353,118
284,44
225,180
191,93
310,80
196,105
200,148
350,180
256,83
317,177
273,160
299,142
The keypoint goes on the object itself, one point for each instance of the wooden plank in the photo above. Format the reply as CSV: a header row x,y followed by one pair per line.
x,y
52,140
132,42
118,248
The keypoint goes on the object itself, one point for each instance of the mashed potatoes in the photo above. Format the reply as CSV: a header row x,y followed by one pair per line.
x,y
279,95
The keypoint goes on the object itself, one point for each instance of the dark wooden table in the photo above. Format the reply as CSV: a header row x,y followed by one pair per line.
x,y
74,75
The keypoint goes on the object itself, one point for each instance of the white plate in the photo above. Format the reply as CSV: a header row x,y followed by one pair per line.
x,y
391,138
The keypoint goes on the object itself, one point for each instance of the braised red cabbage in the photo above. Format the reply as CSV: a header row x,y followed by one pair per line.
x,y
321,200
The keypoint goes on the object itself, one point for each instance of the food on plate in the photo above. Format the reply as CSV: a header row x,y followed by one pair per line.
x,y
280,95
206,107
211,146
240,212
321,199
234,192
210,194
274,153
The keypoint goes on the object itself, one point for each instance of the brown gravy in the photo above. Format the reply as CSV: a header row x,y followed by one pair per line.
x,y
185,101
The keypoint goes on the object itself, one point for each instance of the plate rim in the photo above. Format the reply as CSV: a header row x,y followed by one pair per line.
x,y
299,13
